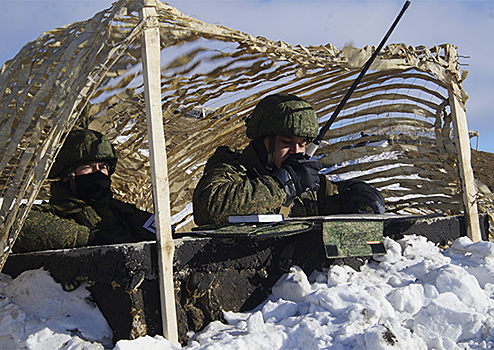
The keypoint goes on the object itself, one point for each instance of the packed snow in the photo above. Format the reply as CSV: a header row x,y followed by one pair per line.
x,y
418,296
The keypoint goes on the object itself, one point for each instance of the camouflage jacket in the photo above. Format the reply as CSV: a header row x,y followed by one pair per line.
x,y
68,222
236,183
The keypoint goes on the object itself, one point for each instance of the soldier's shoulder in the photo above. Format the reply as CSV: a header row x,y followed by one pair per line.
x,y
227,152
43,207
224,154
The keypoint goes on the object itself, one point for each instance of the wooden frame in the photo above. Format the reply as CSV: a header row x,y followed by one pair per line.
x,y
462,142
159,171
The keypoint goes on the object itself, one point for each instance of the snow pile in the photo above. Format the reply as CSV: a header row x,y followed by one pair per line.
x,y
415,297
35,313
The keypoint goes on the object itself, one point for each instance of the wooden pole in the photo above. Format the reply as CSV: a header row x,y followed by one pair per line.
x,y
159,173
462,141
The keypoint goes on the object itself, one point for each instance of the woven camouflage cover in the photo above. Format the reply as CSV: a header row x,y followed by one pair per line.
x,y
397,124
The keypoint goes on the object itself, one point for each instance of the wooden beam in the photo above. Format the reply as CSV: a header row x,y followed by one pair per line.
x,y
159,172
462,142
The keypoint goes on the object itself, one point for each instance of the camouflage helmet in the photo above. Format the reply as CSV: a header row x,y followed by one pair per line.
x,y
80,147
282,114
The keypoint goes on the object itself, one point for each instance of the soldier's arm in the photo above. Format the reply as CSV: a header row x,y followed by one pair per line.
x,y
44,230
334,198
227,190
328,198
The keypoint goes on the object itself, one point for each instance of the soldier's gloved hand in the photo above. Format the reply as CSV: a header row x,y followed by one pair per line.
x,y
358,194
298,175
97,237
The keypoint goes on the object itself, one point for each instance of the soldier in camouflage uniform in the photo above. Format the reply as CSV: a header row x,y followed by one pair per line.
x,y
271,174
81,210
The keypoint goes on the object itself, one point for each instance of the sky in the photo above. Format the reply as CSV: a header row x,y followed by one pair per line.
x,y
417,296
469,25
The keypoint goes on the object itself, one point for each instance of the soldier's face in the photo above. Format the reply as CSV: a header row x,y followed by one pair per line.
x,y
284,146
91,167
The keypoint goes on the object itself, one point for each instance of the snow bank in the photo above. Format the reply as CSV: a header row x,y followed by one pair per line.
x,y
416,297
36,313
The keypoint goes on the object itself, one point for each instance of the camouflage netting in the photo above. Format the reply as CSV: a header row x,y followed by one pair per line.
x,y
88,74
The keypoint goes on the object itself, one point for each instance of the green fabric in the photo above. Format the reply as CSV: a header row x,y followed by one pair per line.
x,y
283,228
282,114
353,238
80,147
235,182
229,188
69,222
44,230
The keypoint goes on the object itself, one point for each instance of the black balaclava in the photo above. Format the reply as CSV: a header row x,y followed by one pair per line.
x,y
92,186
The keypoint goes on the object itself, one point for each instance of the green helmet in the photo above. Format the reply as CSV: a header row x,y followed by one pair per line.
x,y
282,114
80,147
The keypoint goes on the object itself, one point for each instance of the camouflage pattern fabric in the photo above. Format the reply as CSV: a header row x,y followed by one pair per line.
x,y
69,222
80,147
44,230
245,230
344,239
236,183
229,188
282,114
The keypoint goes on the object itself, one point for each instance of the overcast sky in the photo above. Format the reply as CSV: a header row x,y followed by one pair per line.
x,y
467,24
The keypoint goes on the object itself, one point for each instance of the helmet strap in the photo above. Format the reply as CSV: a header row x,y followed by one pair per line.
x,y
73,187
270,162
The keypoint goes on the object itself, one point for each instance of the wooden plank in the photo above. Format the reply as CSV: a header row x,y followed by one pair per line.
x,y
159,171
462,142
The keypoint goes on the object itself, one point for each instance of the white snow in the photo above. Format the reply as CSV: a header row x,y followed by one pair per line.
x,y
415,297
35,313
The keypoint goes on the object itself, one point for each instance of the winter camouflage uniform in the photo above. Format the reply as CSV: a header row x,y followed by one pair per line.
x,y
241,182
67,221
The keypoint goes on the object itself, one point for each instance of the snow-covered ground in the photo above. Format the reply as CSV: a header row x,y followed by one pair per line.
x,y
416,297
